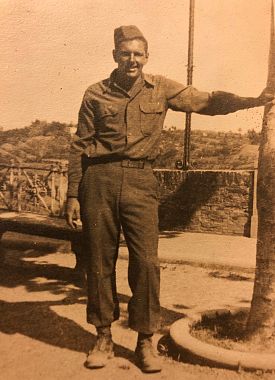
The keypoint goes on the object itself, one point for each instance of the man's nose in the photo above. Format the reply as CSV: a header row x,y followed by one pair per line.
x,y
132,57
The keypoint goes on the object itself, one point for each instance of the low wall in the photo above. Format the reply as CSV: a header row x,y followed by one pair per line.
x,y
209,201
219,202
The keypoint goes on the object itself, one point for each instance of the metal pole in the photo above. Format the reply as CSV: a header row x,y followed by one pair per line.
x,y
190,66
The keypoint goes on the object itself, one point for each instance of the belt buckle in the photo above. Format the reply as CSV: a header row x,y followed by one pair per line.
x,y
141,164
132,164
124,163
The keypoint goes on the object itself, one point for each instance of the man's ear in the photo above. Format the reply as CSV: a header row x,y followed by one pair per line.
x,y
145,58
115,55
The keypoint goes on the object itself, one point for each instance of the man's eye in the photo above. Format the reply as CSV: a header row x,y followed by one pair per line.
x,y
125,54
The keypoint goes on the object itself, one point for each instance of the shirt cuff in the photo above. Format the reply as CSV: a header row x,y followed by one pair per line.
x,y
73,190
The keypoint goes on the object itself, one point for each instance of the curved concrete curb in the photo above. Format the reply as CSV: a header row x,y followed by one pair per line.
x,y
222,357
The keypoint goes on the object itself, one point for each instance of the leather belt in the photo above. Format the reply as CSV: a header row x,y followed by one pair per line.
x,y
125,163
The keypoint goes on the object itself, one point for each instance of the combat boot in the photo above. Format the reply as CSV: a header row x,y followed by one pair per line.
x,y
147,359
102,351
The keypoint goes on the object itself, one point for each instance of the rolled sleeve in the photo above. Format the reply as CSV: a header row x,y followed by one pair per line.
x,y
185,98
189,99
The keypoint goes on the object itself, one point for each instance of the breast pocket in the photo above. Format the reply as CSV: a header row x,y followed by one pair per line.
x,y
151,114
108,117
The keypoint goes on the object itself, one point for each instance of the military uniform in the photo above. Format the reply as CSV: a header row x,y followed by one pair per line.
x,y
110,171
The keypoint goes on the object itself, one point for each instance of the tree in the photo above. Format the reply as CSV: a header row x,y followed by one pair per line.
x,y
261,321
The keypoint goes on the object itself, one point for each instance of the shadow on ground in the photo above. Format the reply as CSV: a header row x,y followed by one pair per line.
x,y
169,234
38,320
231,276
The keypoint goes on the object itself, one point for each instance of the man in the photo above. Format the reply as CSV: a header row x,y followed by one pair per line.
x,y
110,175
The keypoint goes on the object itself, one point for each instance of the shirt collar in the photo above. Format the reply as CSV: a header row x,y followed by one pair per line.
x,y
111,80
148,78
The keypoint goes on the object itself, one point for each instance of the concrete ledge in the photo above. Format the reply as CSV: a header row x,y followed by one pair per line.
x,y
217,356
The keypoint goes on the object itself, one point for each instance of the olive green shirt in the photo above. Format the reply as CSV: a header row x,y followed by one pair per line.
x,y
114,123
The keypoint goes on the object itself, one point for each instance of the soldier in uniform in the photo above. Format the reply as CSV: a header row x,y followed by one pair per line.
x,y
111,178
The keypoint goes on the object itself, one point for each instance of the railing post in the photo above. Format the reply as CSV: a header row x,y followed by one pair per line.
x,y
62,188
53,190
19,190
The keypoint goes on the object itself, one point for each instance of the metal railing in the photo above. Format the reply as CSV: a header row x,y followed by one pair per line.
x,y
33,187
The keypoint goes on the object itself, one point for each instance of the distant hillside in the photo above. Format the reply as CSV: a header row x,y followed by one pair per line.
x,y
39,141
209,149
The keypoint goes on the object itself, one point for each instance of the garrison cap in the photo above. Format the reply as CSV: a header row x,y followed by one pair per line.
x,y
128,32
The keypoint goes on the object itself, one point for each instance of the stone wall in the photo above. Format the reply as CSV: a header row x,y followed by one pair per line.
x,y
208,201
219,202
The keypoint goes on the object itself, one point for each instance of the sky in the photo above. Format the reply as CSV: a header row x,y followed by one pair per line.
x,y
51,51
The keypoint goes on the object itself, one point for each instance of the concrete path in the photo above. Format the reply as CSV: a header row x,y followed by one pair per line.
x,y
198,249
216,251
43,331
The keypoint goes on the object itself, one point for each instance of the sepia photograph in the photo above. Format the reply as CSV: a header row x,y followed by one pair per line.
x,y
137,190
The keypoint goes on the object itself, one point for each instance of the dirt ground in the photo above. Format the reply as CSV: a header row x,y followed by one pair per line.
x,y
44,334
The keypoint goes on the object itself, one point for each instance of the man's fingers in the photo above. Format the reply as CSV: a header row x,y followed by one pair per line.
x,y
267,96
69,219
77,214
270,103
72,212
77,223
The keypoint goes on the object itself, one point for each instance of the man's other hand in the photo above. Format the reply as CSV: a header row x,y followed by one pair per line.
x,y
72,213
266,97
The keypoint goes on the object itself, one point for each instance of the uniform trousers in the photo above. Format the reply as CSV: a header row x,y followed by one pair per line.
x,y
113,196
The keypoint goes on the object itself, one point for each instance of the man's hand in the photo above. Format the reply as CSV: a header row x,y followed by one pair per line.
x,y
72,213
266,97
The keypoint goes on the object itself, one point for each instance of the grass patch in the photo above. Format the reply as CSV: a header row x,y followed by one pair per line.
x,y
228,330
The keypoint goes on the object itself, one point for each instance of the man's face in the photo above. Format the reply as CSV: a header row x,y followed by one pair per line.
x,y
130,57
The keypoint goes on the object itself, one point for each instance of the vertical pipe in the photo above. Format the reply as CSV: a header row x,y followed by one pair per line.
x,y
191,42
190,66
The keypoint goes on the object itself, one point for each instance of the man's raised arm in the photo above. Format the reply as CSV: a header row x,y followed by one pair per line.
x,y
222,103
